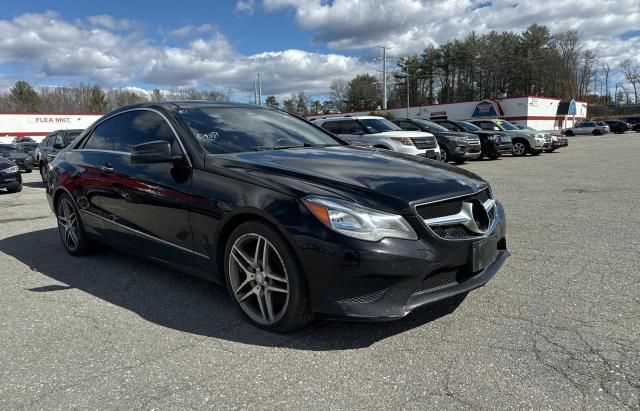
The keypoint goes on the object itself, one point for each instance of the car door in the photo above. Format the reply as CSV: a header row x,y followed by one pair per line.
x,y
145,206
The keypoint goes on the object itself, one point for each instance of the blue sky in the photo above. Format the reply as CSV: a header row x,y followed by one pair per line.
x,y
294,44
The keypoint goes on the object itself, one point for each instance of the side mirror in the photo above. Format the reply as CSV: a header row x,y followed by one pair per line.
x,y
153,152
58,146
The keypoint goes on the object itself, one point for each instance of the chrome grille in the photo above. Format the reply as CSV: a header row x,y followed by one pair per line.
x,y
422,143
456,218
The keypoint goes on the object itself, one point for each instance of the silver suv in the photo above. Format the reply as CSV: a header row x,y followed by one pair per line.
x,y
379,132
524,141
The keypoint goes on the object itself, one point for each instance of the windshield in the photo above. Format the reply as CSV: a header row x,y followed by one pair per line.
x,y
506,125
380,125
222,130
431,125
468,126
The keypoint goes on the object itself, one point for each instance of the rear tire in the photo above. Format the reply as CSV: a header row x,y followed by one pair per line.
x,y
460,161
258,281
535,152
597,132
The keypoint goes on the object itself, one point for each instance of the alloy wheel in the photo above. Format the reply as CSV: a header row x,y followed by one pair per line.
x,y
258,278
443,156
68,225
519,149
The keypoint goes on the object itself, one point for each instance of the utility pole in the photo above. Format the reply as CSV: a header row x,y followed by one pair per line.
x,y
384,76
255,93
259,91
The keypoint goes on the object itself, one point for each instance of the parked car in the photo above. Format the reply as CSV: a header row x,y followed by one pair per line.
x,y
618,126
605,125
293,220
50,146
10,177
20,158
524,141
551,142
17,140
634,123
381,133
454,145
29,148
585,127
493,143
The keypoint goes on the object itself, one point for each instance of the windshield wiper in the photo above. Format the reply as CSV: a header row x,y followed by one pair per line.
x,y
291,146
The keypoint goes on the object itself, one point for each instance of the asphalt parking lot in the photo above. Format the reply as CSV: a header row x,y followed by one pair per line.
x,y
558,327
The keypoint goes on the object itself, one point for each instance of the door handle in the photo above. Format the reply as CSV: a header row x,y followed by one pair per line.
x,y
106,168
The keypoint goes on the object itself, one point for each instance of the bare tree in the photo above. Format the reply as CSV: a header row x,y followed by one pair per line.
x,y
632,74
338,93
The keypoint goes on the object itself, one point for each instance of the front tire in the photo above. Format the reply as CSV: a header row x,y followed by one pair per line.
x,y
444,155
520,148
265,280
16,189
43,173
493,156
568,133
597,132
70,227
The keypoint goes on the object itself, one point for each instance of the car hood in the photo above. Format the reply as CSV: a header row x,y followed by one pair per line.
x,y
16,156
399,133
376,178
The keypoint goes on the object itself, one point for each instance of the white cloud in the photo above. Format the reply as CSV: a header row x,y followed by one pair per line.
x,y
409,25
55,49
189,30
245,7
108,22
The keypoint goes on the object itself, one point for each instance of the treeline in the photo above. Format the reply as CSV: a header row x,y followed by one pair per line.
x,y
493,65
90,98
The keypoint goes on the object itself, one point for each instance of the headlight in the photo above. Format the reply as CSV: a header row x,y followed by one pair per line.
x,y
359,222
533,135
12,169
404,140
460,139
491,138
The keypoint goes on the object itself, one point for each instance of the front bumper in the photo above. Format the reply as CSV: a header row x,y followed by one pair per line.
x,y
10,180
386,279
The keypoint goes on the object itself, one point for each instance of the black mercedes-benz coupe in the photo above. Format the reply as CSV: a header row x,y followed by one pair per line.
x,y
293,220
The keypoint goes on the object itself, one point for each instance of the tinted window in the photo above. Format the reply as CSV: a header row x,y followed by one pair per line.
x,y
430,125
351,127
122,132
239,129
380,125
103,136
70,136
137,127
405,125
466,126
449,126
332,126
